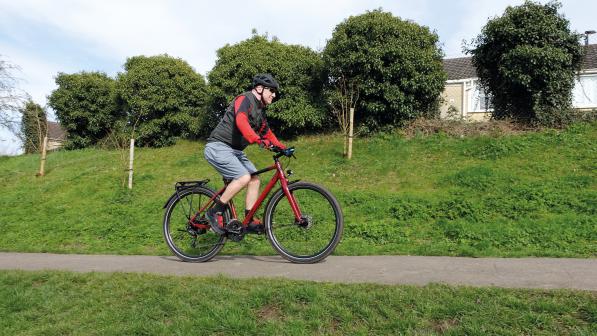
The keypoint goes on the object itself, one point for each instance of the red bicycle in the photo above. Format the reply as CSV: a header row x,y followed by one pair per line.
x,y
303,221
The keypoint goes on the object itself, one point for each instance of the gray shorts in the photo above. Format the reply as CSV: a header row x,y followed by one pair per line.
x,y
230,163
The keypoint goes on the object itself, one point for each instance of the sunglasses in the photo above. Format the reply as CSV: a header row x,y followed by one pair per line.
x,y
272,90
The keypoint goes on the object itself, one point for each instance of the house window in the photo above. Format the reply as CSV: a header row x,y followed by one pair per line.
x,y
585,91
479,100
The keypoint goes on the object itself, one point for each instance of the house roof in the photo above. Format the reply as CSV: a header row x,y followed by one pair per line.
x,y
459,68
55,131
462,67
590,60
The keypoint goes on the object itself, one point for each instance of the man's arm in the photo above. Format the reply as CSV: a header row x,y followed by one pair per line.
x,y
272,138
242,107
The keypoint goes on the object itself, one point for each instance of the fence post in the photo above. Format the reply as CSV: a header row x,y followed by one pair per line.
x,y
131,158
42,167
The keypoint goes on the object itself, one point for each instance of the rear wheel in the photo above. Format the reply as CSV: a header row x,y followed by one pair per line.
x,y
315,235
187,231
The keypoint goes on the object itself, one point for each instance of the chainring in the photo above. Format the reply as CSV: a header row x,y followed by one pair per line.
x,y
235,230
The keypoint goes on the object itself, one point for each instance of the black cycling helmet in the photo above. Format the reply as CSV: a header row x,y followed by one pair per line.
x,y
266,80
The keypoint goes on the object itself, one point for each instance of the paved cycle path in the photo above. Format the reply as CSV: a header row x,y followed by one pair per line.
x,y
547,273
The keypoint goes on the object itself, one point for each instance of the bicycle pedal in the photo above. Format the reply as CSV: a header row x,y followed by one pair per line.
x,y
256,228
234,226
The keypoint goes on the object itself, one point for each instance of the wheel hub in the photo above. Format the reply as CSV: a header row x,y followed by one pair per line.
x,y
305,222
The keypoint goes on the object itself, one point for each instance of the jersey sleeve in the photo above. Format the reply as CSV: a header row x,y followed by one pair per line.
x,y
272,138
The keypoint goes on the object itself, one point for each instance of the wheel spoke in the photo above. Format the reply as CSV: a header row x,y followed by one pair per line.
x,y
277,225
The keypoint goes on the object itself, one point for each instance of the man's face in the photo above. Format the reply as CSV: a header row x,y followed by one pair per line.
x,y
268,95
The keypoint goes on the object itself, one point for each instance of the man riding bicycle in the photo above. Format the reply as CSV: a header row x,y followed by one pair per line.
x,y
243,123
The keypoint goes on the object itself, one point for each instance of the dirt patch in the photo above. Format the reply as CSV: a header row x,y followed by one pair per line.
x,y
270,312
443,326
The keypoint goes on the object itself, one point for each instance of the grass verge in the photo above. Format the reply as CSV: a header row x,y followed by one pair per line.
x,y
61,303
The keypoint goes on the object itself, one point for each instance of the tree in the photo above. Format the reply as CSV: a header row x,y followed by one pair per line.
x,y
343,96
395,64
86,105
526,60
34,127
165,96
11,98
299,107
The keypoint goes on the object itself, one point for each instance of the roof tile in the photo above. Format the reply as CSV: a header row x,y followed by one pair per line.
x,y
55,131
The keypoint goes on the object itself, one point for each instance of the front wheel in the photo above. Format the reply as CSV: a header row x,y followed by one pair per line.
x,y
315,235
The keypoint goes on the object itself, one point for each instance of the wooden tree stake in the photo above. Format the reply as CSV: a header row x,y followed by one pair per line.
x,y
350,132
42,167
131,158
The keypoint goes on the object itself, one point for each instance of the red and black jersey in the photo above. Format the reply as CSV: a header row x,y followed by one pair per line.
x,y
243,123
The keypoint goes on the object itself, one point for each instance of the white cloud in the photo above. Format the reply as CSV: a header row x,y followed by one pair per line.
x,y
36,76
581,14
194,31
473,17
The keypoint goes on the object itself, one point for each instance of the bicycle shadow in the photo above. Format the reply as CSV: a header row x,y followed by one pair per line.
x,y
232,258
268,259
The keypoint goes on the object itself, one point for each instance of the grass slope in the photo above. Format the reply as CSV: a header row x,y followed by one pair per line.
x,y
521,195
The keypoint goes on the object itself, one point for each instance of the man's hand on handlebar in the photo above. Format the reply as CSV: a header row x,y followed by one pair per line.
x,y
264,143
288,152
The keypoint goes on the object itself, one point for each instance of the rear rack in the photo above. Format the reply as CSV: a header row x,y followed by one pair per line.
x,y
189,184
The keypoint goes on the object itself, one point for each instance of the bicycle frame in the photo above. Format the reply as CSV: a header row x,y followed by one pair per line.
x,y
278,176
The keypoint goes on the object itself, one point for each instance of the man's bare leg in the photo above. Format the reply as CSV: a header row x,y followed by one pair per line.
x,y
234,187
252,192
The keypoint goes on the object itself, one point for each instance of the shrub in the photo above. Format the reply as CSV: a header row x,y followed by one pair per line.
x,y
526,60
164,96
34,125
86,105
396,65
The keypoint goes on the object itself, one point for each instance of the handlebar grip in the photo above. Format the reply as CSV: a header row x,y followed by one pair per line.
x,y
288,152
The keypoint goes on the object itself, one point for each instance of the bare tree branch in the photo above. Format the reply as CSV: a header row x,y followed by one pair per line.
x,y
11,97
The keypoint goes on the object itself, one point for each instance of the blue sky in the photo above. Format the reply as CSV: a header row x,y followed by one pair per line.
x,y
47,37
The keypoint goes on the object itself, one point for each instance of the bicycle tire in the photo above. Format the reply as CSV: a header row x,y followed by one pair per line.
x,y
293,241
181,241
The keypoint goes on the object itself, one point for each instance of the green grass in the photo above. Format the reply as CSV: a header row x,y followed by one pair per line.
x,y
58,303
532,194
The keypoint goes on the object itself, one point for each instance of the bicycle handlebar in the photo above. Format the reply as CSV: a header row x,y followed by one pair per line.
x,y
288,152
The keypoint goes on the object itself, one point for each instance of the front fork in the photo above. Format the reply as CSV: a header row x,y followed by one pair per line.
x,y
293,203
